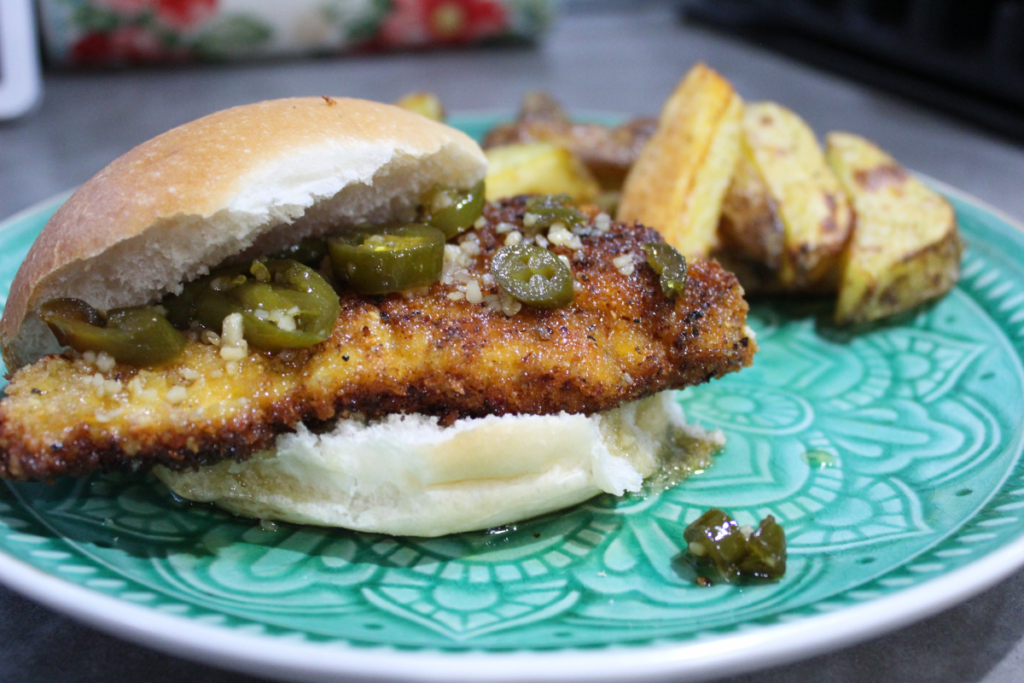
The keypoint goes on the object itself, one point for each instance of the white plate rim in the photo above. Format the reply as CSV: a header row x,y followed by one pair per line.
x,y
758,648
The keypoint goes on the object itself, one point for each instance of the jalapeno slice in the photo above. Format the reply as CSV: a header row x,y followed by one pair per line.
x,y
294,308
137,336
533,275
385,260
715,539
310,251
454,211
767,556
669,264
716,545
181,307
545,210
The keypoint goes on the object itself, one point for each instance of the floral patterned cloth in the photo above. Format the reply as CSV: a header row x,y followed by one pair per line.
x,y
124,32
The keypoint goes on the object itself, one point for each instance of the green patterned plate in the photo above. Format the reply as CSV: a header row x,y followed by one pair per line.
x,y
892,458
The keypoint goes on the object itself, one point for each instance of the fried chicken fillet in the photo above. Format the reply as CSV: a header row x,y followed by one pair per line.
x,y
442,351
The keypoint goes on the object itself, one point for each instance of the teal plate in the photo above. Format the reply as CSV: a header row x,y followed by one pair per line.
x,y
892,459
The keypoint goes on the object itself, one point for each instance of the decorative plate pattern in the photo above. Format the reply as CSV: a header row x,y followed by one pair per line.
x,y
891,458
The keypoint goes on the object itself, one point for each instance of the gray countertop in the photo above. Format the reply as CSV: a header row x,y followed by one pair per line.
x,y
598,61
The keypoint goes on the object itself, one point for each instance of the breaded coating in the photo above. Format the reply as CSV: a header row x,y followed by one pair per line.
x,y
456,349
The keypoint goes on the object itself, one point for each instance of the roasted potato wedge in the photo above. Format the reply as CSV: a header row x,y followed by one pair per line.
x,y
678,182
750,228
539,106
539,168
607,151
426,103
786,210
905,249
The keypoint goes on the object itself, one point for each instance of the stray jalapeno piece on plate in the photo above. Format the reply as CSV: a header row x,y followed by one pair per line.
x,y
453,211
533,275
385,260
719,546
715,539
139,335
669,264
767,556
284,304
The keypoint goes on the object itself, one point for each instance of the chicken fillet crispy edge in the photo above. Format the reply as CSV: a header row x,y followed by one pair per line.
x,y
621,340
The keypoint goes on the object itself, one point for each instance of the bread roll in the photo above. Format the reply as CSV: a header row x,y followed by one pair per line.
x,y
408,476
252,178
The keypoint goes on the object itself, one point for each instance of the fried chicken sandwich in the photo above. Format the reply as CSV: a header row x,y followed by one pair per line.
x,y
302,310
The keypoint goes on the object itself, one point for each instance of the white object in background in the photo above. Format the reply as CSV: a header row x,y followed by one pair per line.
x,y
20,83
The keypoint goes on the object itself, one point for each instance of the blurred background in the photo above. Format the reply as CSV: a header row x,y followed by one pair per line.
x,y
938,83
963,56
82,81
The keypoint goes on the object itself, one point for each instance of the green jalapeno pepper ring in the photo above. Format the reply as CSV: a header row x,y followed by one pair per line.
x,y
385,260
139,335
550,209
533,275
292,285
310,251
669,264
464,208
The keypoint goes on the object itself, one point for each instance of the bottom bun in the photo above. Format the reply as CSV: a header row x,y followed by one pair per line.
x,y
408,476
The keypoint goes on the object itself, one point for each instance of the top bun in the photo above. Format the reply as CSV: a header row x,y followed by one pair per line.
x,y
243,181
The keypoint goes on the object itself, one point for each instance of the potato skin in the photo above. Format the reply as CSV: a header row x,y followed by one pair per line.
x,y
786,212
906,247
751,229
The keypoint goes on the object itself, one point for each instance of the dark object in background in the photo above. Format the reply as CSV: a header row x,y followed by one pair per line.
x,y
963,56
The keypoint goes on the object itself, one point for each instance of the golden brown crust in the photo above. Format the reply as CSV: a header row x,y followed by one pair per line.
x,y
621,340
906,246
209,167
681,176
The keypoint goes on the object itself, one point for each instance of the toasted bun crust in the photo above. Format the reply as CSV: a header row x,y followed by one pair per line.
x,y
252,178
407,476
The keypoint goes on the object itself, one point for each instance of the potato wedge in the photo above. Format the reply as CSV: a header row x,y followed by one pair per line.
x,y
607,152
751,228
905,248
781,156
426,103
540,168
678,182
